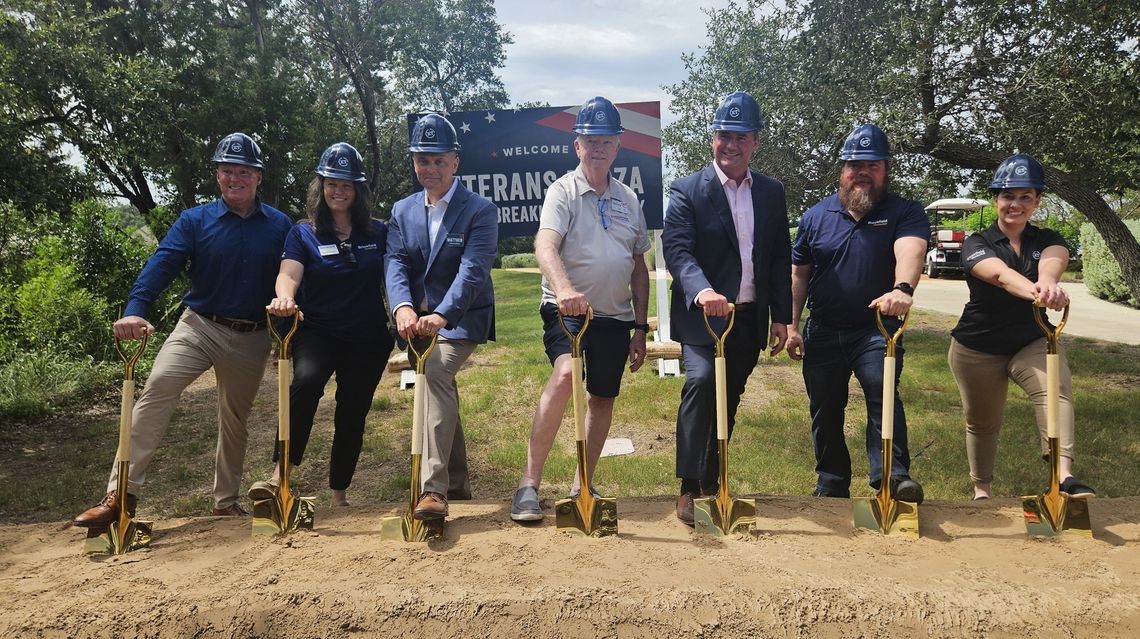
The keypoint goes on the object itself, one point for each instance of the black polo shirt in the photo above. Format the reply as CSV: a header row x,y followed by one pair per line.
x,y
994,321
853,262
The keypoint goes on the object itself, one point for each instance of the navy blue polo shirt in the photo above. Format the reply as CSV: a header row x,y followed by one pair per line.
x,y
233,261
853,262
994,321
342,290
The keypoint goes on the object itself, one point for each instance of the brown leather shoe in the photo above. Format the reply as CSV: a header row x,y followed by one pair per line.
x,y
233,510
432,506
105,511
685,508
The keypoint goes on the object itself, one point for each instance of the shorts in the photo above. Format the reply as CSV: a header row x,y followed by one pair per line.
x,y
605,347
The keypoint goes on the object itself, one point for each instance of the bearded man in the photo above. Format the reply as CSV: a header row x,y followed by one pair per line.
x,y
856,250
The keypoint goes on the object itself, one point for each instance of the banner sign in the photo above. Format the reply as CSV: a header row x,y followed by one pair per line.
x,y
511,156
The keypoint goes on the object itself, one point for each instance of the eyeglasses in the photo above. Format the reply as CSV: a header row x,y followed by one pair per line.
x,y
603,204
346,252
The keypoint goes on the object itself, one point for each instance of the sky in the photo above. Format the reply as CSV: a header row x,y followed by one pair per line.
x,y
567,52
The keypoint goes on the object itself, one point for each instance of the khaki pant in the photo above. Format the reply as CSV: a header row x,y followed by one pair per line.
x,y
196,345
444,464
983,381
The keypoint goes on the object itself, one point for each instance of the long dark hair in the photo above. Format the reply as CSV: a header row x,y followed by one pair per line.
x,y
320,216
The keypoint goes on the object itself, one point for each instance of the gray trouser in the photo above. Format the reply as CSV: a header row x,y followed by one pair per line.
x,y
196,345
444,464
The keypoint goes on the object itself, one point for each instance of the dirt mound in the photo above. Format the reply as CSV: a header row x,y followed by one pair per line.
x,y
804,572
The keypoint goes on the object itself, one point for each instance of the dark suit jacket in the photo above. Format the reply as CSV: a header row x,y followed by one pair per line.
x,y
701,251
451,277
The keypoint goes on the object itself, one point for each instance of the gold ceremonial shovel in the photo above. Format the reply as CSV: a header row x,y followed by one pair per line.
x,y
286,512
882,512
585,514
125,533
405,527
722,515
1054,513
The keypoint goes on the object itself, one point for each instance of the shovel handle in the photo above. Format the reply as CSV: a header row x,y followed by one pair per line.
x,y
1052,335
576,338
719,338
892,340
131,359
421,356
283,342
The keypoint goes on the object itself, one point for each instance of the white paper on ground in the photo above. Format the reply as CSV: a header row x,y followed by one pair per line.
x,y
617,446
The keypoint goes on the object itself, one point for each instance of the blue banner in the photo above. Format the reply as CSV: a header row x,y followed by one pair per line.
x,y
511,156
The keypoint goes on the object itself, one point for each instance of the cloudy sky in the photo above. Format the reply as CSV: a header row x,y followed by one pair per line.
x,y
567,52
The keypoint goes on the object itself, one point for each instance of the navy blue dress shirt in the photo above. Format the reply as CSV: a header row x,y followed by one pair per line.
x,y
233,261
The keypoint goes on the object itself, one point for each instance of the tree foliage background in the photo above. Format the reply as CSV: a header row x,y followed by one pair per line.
x,y
958,85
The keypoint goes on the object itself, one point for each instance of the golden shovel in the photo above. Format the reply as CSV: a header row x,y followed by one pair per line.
x,y
285,512
125,533
585,514
1054,513
406,527
883,512
722,515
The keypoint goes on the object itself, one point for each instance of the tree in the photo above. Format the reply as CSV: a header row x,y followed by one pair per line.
x,y
955,83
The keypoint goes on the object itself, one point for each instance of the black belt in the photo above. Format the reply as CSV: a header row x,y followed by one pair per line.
x,y
239,325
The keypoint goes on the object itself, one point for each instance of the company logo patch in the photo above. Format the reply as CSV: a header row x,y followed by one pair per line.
x,y
734,112
1036,255
343,162
429,134
236,147
600,116
1021,170
882,222
864,142
976,254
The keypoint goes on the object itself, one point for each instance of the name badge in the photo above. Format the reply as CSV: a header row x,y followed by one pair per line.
x,y
454,240
620,206
328,249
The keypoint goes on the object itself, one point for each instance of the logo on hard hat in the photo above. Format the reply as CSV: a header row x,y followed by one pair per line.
x,y
429,133
343,162
1021,170
236,147
864,142
734,112
1036,255
600,116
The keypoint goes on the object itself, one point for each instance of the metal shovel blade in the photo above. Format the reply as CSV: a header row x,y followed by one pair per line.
x,y
889,517
722,515
587,515
407,528
117,539
276,517
1048,515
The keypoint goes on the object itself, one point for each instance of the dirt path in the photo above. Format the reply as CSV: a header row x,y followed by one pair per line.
x,y
804,573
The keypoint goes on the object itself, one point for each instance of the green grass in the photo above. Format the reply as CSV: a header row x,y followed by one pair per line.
x,y
54,467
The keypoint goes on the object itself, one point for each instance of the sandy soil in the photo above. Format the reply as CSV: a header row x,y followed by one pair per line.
x,y
803,572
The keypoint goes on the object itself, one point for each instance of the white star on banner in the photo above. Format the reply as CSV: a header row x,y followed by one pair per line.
x,y
466,128
445,113
490,117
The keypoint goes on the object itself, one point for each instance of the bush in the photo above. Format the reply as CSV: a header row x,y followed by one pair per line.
x,y
39,382
520,260
1101,270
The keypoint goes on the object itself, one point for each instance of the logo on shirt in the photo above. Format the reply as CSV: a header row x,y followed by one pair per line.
x,y
1036,255
882,222
976,254
864,142
236,147
1021,170
343,162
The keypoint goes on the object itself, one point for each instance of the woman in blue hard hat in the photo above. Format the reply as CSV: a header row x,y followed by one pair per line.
x,y
1008,266
333,269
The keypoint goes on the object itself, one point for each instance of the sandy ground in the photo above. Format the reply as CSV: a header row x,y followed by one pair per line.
x,y
803,572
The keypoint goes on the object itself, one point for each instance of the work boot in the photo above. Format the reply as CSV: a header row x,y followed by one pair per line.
x,y
105,512
432,506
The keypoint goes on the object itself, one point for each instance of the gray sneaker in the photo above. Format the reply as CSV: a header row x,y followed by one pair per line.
x,y
524,505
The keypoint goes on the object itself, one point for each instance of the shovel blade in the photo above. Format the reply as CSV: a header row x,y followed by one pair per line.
x,y
587,515
898,518
407,528
269,518
1071,518
114,540
711,516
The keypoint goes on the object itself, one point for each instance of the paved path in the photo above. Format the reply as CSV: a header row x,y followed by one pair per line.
x,y
1088,315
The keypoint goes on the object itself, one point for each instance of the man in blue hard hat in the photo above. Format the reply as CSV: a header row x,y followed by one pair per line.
x,y
857,250
230,249
590,246
726,242
441,245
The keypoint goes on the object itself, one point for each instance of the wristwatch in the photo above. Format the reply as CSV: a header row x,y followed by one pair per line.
x,y
905,287
641,327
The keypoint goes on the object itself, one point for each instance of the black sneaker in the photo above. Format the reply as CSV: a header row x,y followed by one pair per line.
x,y
906,489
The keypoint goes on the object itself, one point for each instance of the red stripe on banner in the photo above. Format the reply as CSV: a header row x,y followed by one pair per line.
x,y
562,121
632,140
645,108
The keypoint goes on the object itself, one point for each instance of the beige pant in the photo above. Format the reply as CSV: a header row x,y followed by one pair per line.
x,y
444,464
196,345
983,381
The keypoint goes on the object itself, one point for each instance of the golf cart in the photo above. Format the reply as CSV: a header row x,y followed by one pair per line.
x,y
944,249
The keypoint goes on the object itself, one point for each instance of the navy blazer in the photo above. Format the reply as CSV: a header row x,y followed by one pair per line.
x,y
702,251
451,277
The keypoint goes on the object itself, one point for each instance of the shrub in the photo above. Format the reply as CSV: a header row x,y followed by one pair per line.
x,y
39,382
520,260
1101,270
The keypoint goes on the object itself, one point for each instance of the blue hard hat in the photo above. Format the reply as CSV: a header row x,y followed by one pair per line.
x,y
1019,171
737,112
342,162
866,142
433,134
598,116
238,148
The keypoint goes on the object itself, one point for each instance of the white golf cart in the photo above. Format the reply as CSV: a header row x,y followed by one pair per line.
x,y
944,250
